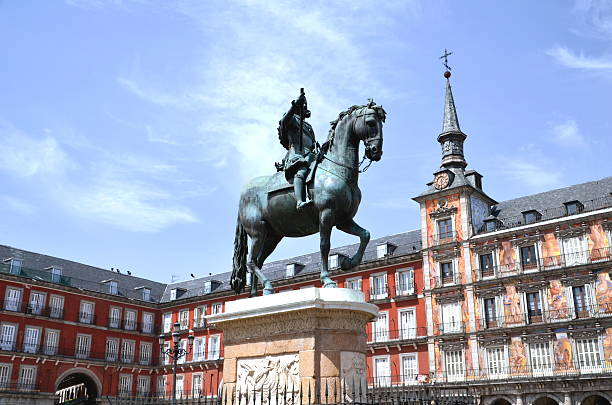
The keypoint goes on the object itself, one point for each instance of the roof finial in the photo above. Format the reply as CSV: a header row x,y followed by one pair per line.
x,y
445,56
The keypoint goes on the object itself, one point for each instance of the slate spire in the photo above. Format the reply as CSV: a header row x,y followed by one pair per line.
x,y
451,139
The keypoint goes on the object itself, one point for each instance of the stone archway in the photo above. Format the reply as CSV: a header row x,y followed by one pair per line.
x,y
78,384
545,400
594,399
498,400
501,401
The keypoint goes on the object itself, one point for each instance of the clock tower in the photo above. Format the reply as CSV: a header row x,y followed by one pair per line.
x,y
453,208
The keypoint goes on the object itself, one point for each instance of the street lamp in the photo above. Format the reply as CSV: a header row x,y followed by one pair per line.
x,y
175,352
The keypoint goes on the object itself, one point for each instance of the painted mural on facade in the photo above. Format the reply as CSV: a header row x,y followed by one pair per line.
x,y
563,353
558,306
465,314
438,359
469,364
603,292
507,257
512,306
607,346
435,316
598,242
550,250
517,356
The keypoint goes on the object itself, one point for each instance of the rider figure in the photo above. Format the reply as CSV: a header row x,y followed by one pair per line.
x,y
297,136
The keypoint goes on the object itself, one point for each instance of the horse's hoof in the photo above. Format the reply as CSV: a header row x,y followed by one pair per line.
x,y
330,284
348,264
268,289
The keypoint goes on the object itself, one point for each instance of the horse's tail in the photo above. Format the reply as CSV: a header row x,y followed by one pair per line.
x,y
238,280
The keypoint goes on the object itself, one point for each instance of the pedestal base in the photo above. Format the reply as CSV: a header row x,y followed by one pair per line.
x,y
309,343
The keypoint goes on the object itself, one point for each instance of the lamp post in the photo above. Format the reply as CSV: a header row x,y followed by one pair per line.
x,y
175,353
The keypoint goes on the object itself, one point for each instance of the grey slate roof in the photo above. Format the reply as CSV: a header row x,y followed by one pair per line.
x,y
553,199
405,243
81,275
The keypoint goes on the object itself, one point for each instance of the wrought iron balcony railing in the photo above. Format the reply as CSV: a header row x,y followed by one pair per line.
x,y
395,335
32,309
444,238
547,214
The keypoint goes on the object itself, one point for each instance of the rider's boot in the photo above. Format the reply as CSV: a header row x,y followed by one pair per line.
x,y
300,190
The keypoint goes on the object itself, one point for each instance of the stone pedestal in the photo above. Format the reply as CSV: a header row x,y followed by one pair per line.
x,y
307,343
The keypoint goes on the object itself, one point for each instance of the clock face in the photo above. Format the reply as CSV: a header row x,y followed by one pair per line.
x,y
441,181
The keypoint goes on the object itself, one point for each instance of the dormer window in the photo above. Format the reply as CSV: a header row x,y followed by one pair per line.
x,y
290,270
112,287
384,249
173,294
491,225
207,287
573,207
531,216
333,261
146,294
14,265
56,274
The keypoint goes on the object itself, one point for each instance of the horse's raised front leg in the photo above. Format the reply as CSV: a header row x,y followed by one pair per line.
x,y
259,239
352,228
326,222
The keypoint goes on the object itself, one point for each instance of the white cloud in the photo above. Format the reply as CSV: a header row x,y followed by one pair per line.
x,y
532,173
567,133
568,58
17,205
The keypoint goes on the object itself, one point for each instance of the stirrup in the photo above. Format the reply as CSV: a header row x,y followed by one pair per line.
x,y
302,204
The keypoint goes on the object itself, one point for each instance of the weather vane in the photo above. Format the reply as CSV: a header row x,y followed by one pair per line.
x,y
445,57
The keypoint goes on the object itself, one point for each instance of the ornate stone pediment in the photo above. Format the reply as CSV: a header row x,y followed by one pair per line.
x,y
585,333
484,249
450,296
443,210
577,279
446,254
452,345
539,338
532,286
490,291
527,239
573,231
493,341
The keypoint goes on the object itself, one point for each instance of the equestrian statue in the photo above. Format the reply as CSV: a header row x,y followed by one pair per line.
x,y
317,191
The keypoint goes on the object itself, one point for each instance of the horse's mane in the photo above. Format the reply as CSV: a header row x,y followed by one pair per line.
x,y
380,111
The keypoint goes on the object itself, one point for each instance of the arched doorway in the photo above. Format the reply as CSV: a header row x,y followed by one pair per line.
x,y
501,401
545,401
595,400
77,387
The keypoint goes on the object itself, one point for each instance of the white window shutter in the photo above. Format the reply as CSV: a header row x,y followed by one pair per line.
x,y
412,283
570,301
589,302
398,289
524,307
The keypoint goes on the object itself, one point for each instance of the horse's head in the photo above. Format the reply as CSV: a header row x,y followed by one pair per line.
x,y
367,126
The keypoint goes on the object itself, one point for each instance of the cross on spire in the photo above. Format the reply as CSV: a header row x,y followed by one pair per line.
x,y
445,57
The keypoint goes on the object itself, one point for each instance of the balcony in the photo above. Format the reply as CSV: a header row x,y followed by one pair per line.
x,y
448,328
379,294
18,386
549,213
47,312
444,238
382,337
546,263
86,318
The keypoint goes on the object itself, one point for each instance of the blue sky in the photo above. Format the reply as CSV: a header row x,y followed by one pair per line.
x,y
128,127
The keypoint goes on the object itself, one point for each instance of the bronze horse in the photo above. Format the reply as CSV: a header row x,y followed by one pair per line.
x,y
267,210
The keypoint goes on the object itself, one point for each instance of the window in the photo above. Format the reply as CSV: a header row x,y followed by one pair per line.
x,y
381,328
12,300
216,308
27,377
112,349
196,385
382,250
496,361
179,385
382,371
486,265
183,346
207,287
146,294
451,318
445,228
173,294
199,317
575,251
5,375
115,317
410,370
531,216
56,274
147,322
130,320
56,306
127,351
142,385
7,339
290,270
528,257
167,358
161,385
125,385
15,266
580,300
540,357
407,322
573,207
490,312
86,312
589,353
83,345
51,341
534,306
214,347
199,349
353,284
112,287
446,270
404,282
31,339
490,225
145,352
167,322
378,285
37,302
332,261
453,362
184,319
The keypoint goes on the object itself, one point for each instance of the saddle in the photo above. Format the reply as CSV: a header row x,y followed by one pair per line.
x,y
279,183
